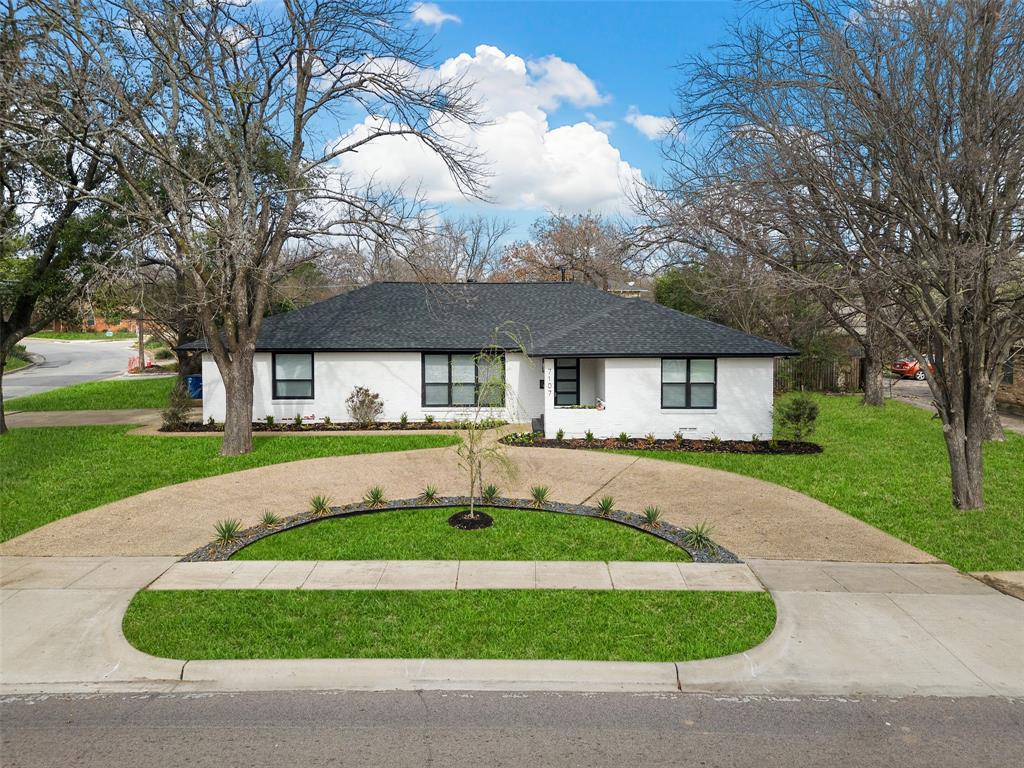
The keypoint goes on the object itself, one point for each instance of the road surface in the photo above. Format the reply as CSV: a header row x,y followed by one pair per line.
x,y
68,362
503,729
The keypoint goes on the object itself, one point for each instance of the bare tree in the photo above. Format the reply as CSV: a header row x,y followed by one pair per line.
x,y
879,149
222,108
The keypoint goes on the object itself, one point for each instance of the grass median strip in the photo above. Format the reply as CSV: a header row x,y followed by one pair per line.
x,y
888,467
116,394
47,473
485,624
424,534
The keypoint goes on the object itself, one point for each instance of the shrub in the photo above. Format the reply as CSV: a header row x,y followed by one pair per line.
x,y
269,519
715,439
327,421
364,406
678,435
163,354
429,418
623,438
699,537
210,422
20,352
539,494
606,505
798,416
589,436
320,505
178,405
270,421
297,420
429,494
649,438
404,419
560,435
489,493
227,531
652,516
375,497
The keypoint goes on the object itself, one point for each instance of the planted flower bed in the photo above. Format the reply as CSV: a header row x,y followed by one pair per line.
x,y
334,426
537,440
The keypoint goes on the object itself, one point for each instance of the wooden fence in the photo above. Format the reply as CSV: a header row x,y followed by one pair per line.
x,y
812,374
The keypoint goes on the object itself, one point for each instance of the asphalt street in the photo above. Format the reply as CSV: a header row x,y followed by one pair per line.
x,y
68,362
506,729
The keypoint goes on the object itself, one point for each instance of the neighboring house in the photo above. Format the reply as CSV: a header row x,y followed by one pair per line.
x,y
575,356
1010,393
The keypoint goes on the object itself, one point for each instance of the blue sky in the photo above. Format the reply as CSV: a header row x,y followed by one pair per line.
x,y
576,93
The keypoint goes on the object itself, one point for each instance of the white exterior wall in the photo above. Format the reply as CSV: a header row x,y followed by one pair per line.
x,y
632,395
395,376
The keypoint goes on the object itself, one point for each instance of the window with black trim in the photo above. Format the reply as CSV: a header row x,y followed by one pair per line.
x,y
689,382
293,375
567,381
462,379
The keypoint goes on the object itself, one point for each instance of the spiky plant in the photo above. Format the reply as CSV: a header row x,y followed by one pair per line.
x,y
270,421
606,505
699,537
649,438
678,435
227,531
589,436
489,494
560,435
652,516
539,494
297,420
429,418
327,421
319,505
429,495
404,419
623,438
375,497
269,519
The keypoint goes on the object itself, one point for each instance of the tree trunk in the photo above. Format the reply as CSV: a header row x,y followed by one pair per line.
x,y
993,429
874,381
965,467
142,342
3,420
238,381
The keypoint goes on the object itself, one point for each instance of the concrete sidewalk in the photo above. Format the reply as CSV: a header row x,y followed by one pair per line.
x,y
456,574
842,629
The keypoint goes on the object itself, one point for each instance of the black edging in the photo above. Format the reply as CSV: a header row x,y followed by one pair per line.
x,y
665,531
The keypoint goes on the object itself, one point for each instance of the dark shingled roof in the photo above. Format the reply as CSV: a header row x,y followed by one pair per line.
x,y
545,319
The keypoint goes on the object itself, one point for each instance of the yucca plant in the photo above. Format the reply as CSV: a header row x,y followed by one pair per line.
x,y
429,418
319,505
375,497
678,435
429,495
606,505
489,493
699,537
560,435
652,516
269,519
227,531
649,438
589,436
623,438
539,494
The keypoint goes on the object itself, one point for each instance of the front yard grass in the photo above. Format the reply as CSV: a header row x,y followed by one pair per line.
x,y
889,468
116,394
452,624
84,335
47,473
424,534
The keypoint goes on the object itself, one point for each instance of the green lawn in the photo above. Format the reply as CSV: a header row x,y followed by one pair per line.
x,y
47,473
889,468
83,335
472,624
424,534
116,394
12,364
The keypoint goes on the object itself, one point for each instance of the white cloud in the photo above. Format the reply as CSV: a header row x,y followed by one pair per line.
x,y
432,15
651,126
605,126
532,165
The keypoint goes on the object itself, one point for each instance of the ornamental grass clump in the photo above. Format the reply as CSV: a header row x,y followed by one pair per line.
x,y
589,437
489,494
375,497
699,537
560,435
623,438
319,505
652,516
269,519
429,495
539,494
227,531
606,505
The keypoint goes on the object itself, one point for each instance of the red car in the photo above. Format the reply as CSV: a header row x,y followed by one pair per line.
x,y
909,368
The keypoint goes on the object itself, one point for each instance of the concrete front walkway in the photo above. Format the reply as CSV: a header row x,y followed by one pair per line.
x,y
843,629
457,574
752,518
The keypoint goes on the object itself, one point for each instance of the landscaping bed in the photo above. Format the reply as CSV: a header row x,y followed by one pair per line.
x,y
335,426
609,625
537,440
665,531
423,533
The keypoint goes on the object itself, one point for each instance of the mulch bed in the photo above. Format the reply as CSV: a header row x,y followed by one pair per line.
x,y
666,531
466,522
524,439
344,426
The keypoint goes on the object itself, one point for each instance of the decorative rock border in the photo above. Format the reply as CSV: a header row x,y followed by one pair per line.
x,y
666,531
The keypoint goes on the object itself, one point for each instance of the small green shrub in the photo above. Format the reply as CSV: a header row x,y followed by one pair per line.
x,y
178,405
269,519
560,435
270,421
798,416
715,439
375,497
319,505
589,436
539,494
210,422
297,420
652,516
489,493
606,505
678,435
429,494
699,537
623,438
649,438
163,354
227,531
429,418
404,419
327,421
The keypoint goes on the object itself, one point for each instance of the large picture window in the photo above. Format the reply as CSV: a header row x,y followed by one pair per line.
x,y
459,379
689,383
293,376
